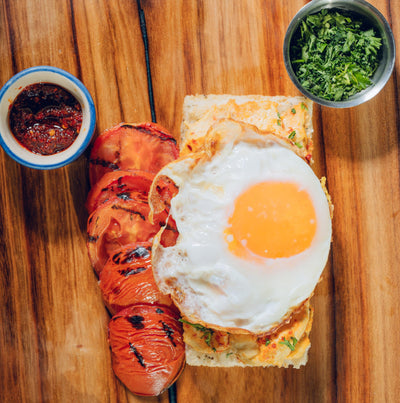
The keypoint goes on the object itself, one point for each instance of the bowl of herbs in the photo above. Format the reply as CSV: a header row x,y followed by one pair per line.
x,y
339,53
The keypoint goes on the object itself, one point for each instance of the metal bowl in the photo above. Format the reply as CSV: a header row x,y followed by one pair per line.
x,y
375,19
54,75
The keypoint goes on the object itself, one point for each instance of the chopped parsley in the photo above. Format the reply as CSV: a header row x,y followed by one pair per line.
x,y
279,120
287,343
334,54
292,134
206,331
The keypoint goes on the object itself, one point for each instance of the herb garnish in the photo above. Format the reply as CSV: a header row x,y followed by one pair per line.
x,y
207,331
287,343
292,134
279,120
334,55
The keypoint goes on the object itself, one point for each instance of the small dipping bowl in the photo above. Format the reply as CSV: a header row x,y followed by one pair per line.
x,y
50,75
373,18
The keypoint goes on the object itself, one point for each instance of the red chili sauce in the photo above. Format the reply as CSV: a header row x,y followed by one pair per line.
x,y
45,118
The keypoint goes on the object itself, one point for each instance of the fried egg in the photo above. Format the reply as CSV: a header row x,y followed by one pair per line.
x,y
254,232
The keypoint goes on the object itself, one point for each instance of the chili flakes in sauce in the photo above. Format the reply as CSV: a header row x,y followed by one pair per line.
x,y
45,118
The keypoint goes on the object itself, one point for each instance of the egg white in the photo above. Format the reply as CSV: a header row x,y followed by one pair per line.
x,y
213,285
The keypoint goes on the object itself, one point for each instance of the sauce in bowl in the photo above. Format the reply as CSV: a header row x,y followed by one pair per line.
x,y
45,118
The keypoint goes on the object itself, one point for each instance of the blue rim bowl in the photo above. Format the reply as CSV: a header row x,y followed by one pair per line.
x,y
53,75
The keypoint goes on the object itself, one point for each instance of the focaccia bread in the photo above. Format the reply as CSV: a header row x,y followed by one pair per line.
x,y
286,343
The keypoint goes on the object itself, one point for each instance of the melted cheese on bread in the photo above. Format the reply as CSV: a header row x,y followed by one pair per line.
x,y
285,346
286,117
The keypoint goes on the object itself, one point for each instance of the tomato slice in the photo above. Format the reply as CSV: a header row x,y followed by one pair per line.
x,y
144,146
119,222
123,184
127,279
115,223
147,348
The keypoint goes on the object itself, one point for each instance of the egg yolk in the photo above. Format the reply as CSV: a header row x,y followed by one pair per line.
x,y
272,220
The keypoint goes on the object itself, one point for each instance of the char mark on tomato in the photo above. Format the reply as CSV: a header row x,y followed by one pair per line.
x,y
124,196
157,133
130,272
116,290
131,254
120,182
136,321
92,238
103,163
168,331
130,211
137,355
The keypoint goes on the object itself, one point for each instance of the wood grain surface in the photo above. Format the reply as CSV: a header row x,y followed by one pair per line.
x,y
53,325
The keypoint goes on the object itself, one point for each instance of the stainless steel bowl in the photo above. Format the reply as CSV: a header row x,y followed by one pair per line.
x,y
375,19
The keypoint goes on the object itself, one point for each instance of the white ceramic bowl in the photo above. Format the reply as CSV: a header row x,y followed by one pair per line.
x,y
53,75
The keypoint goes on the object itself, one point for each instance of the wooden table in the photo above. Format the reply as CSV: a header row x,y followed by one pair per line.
x,y
53,345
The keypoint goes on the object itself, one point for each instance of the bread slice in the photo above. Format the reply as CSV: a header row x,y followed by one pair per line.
x,y
286,117
289,118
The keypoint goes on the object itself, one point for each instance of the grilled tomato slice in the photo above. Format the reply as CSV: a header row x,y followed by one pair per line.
x,y
147,348
127,279
119,222
123,184
144,146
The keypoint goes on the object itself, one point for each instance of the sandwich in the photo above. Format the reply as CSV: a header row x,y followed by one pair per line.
x,y
254,225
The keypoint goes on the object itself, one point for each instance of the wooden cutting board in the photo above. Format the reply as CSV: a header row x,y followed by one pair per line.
x,y
53,339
